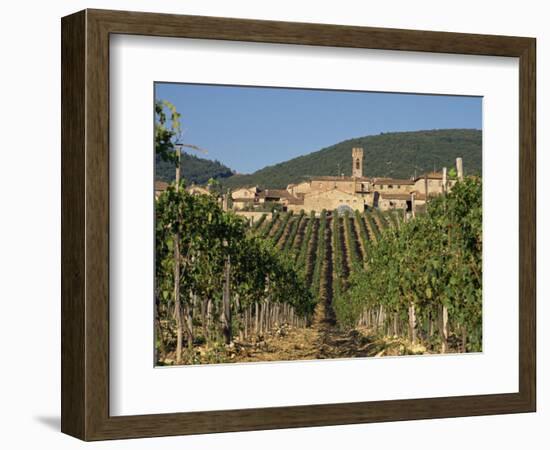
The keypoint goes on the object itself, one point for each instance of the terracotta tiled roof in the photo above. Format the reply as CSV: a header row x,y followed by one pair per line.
x,y
246,188
296,200
161,185
333,178
393,181
274,193
431,176
328,191
244,199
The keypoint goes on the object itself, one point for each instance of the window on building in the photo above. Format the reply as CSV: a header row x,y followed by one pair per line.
x,y
356,164
398,186
390,186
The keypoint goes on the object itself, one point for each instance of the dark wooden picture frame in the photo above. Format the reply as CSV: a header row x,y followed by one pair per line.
x,y
85,224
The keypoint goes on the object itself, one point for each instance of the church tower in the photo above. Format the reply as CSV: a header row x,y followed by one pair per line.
x,y
357,157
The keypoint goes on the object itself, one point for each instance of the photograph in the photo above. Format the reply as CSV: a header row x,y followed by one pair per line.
x,y
311,224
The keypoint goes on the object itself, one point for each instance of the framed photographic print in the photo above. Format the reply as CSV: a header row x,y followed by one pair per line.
x,y
269,224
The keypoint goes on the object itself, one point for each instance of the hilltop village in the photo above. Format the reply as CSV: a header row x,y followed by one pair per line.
x,y
355,192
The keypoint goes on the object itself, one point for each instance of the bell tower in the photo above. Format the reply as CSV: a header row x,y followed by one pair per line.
x,y
357,157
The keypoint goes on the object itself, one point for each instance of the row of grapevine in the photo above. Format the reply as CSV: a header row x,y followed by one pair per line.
x,y
258,224
311,255
265,231
327,274
423,278
394,218
303,240
373,229
336,253
216,280
319,253
280,228
380,220
282,237
352,243
340,272
289,243
363,233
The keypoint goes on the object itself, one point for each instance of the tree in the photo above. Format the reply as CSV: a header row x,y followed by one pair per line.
x,y
167,129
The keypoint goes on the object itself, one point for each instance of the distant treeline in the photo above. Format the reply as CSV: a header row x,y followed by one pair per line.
x,y
194,169
398,155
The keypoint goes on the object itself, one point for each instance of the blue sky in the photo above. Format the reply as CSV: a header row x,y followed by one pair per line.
x,y
248,128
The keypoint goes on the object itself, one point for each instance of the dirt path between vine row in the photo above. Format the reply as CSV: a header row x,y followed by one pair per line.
x,y
322,340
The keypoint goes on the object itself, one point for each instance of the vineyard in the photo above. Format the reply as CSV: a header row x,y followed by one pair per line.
x,y
318,285
328,284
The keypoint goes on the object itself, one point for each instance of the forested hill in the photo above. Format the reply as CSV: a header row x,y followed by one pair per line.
x,y
194,170
395,155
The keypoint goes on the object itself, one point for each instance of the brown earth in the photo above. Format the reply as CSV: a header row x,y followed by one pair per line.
x,y
322,340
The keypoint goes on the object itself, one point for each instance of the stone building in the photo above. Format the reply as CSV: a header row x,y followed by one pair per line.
x,y
330,199
301,188
357,165
245,197
197,190
356,192
161,186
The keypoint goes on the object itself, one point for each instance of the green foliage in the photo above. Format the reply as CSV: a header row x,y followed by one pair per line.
x,y
281,228
362,230
351,244
193,169
372,225
270,224
320,256
396,155
210,237
258,224
288,246
167,128
392,217
338,269
432,261
301,258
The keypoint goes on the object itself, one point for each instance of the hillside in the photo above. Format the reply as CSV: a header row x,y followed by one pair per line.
x,y
386,155
194,169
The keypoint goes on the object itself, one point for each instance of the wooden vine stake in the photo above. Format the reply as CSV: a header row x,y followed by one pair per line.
x,y
177,300
444,311
226,309
412,323
444,329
